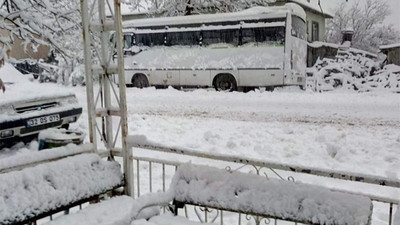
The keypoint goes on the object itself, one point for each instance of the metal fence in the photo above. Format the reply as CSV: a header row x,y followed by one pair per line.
x,y
154,167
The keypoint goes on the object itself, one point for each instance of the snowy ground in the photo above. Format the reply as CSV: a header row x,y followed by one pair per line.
x,y
357,132
346,131
335,130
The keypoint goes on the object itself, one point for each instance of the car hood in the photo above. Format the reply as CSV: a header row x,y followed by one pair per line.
x,y
23,88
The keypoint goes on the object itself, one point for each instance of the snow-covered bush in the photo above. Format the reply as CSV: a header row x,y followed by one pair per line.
x,y
386,79
345,71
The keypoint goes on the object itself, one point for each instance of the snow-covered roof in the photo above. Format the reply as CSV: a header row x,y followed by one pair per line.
x,y
390,46
313,8
249,14
319,44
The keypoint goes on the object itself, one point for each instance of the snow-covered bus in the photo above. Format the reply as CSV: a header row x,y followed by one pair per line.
x,y
258,47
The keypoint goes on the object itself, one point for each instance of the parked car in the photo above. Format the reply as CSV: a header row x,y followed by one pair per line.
x,y
27,107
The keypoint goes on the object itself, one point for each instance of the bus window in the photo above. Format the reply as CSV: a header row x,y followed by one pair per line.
x,y
299,28
128,41
149,39
248,36
220,36
189,38
270,35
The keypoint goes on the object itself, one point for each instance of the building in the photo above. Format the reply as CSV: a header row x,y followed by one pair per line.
x,y
20,51
392,52
316,18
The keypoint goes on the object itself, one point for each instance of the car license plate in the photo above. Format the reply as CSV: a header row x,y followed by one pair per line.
x,y
43,120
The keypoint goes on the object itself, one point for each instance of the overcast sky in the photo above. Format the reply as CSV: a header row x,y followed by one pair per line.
x,y
394,18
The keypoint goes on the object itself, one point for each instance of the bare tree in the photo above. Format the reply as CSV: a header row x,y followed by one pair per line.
x,y
365,18
188,7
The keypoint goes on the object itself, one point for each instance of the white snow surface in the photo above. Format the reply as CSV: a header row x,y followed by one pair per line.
x,y
60,134
390,46
341,130
396,220
249,193
319,44
167,219
249,14
40,156
44,187
312,7
115,211
207,57
20,87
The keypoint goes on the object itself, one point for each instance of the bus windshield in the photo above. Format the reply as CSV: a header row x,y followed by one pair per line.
x,y
299,28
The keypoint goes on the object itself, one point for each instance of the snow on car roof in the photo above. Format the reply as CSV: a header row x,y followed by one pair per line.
x,y
20,87
249,14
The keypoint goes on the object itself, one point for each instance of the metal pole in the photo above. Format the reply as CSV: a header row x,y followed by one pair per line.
x,y
127,151
104,77
89,74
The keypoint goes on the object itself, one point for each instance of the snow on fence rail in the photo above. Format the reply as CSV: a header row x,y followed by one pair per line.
x,y
154,173
28,160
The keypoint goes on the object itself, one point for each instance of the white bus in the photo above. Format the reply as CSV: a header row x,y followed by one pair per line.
x,y
258,47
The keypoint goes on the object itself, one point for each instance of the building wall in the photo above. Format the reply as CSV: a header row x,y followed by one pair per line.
x,y
18,51
393,56
312,17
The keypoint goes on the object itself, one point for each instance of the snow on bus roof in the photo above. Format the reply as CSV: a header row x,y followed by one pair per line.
x,y
314,8
249,14
202,28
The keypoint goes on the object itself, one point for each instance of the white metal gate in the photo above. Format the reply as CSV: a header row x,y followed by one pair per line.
x,y
103,52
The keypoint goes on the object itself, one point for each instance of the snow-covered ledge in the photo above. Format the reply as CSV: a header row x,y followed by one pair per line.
x,y
34,158
34,191
255,195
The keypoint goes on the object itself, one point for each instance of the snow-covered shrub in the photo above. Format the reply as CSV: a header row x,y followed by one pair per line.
x,y
345,71
386,79
352,72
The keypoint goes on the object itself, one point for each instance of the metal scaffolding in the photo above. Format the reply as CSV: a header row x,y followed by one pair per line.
x,y
104,67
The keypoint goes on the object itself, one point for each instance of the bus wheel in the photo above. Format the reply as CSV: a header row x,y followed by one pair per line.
x,y
225,82
139,81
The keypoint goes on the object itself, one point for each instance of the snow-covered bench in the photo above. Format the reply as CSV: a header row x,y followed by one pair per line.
x,y
33,192
237,192
270,198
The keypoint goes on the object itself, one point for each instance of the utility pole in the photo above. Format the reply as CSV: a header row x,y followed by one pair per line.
x,y
104,61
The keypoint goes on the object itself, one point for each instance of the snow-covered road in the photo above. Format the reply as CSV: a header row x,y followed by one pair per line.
x,y
358,132
282,105
345,131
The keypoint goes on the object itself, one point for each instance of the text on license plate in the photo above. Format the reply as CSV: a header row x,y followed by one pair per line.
x,y
43,120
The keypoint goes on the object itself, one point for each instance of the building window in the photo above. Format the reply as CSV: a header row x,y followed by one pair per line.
x,y
314,31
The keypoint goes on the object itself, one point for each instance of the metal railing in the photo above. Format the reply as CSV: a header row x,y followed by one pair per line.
x,y
154,167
